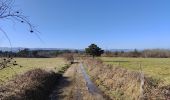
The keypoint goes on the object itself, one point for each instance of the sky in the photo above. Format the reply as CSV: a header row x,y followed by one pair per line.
x,y
111,24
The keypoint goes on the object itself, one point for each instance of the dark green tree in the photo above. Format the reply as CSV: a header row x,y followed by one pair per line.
x,y
94,50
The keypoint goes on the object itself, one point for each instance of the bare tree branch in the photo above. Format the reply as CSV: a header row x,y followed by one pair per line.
x,y
7,12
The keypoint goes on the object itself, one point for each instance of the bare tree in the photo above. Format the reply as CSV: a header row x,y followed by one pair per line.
x,y
7,12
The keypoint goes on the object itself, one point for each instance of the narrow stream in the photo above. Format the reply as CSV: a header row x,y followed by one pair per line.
x,y
90,89
91,86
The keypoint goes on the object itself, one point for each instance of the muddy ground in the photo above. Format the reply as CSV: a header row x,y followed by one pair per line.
x,y
74,86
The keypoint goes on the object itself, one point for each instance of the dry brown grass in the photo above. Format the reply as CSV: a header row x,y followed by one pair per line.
x,y
122,84
158,68
35,84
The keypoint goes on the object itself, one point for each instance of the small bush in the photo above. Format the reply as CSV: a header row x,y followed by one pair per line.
x,y
33,85
69,57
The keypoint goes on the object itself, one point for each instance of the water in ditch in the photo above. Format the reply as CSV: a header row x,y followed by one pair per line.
x,y
91,86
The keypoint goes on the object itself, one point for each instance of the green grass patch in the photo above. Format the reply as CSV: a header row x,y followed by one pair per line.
x,y
49,64
158,68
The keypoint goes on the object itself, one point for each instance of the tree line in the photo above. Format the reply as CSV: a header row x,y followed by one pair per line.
x,y
148,53
93,50
27,53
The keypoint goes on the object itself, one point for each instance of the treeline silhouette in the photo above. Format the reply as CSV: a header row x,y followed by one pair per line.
x,y
27,53
148,53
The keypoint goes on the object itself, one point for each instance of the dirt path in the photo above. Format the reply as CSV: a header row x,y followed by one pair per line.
x,y
74,86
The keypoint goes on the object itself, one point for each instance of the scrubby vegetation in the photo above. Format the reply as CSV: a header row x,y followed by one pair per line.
x,y
7,62
122,84
148,53
26,64
35,84
69,57
158,68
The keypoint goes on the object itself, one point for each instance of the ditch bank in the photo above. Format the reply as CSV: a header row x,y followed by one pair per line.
x,y
76,85
90,85
122,84
36,84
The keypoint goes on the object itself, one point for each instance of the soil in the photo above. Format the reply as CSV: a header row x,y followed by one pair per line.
x,y
74,86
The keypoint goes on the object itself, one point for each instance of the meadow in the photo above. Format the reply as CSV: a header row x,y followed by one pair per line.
x,y
158,68
26,64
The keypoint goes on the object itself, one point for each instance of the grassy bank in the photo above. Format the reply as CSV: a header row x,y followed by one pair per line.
x,y
26,64
123,84
33,83
158,68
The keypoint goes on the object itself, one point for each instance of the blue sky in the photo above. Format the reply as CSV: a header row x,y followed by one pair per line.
x,y
120,24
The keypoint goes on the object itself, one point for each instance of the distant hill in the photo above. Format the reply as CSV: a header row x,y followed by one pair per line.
x,y
9,49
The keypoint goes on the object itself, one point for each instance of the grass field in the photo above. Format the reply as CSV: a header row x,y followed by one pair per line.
x,y
158,68
31,63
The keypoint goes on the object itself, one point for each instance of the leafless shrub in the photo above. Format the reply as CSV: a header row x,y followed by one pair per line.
x,y
69,57
7,62
33,85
